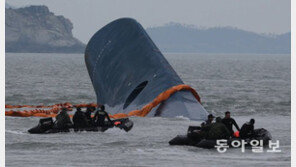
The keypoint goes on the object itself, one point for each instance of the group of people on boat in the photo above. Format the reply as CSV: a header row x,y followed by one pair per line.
x,y
223,128
82,120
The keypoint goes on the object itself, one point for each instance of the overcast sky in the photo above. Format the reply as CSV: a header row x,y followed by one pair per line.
x,y
88,16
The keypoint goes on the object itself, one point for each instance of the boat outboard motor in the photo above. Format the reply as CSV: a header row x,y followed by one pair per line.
x,y
124,124
44,125
191,129
262,134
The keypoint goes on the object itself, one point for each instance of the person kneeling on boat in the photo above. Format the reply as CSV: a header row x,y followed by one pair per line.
x,y
218,130
79,120
247,130
100,116
63,121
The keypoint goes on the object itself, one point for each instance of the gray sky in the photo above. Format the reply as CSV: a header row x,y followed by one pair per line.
x,y
88,16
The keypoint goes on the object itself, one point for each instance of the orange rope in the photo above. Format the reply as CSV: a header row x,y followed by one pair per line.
x,y
57,107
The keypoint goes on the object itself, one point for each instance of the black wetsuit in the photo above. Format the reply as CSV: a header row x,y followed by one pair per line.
x,y
79,120
88,117
228,122
63,121
218,131
99,118
208,122
247,131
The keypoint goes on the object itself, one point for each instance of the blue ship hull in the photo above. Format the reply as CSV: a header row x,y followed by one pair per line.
x,y
127,71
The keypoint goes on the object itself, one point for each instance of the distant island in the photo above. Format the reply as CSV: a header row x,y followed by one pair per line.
x,y
179,38
36,29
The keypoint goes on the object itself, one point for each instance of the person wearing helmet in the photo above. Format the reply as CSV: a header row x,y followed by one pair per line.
x,y
99,118
247,130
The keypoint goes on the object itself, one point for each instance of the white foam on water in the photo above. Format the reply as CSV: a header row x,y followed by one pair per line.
x,y
15,132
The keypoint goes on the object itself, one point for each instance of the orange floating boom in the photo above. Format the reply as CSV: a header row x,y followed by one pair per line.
x,y
57,107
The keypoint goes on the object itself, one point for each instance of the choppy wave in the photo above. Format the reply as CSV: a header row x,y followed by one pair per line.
x,y
256,86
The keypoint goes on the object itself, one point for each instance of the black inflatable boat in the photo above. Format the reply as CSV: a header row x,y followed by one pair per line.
x,y
46,125
190,140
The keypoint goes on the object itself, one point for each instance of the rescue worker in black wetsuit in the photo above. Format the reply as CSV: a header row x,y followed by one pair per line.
x,y
63,121
99,118
247,130
202,132
79,120
228,122
218,130
210,119
88,113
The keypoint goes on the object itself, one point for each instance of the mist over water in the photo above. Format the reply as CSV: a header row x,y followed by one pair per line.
x,y
250,86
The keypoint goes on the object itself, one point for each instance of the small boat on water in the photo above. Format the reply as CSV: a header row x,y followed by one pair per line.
x,y
259,135
46,126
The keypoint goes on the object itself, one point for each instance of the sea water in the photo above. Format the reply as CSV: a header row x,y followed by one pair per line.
x,y
248,85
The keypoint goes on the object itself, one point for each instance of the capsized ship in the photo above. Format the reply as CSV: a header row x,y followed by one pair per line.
x,y
128,71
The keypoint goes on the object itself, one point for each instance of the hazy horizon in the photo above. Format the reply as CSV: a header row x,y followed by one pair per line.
x,y
259,16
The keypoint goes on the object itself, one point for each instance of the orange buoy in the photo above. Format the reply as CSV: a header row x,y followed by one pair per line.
x,y
236,134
